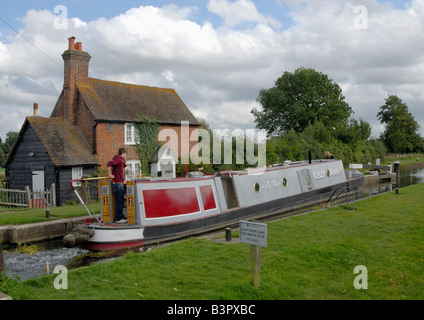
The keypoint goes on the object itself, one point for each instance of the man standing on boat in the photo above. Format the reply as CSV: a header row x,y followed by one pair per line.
x,y
117,174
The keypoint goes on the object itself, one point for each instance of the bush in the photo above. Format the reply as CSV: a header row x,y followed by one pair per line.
x,y
350,143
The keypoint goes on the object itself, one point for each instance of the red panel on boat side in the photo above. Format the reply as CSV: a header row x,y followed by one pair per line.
x,y
170,202
208,198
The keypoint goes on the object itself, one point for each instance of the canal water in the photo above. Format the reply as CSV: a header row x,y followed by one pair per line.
x,y
411,176
25,266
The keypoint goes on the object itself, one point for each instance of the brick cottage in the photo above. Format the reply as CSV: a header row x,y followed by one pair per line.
x,y
91,120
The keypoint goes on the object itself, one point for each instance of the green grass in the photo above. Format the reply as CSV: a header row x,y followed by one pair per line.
x,y
22,216
310,256
405,159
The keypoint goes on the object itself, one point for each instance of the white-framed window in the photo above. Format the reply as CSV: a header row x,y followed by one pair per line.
x,y
131,136
77,174
133,169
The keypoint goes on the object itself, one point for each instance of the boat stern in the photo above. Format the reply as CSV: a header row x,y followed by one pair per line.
x,y
114,237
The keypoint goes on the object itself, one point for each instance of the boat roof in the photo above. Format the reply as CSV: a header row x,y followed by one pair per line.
x,y
193,176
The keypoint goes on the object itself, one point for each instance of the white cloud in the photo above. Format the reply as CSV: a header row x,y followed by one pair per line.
x,y
386,58
239,12
219,70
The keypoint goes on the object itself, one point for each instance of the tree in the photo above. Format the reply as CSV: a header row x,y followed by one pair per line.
x,y
351,144
3,156
300,99
7,145
401,132
353,131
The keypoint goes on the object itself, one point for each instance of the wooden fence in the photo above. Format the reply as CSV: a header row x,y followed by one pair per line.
x,y
27,198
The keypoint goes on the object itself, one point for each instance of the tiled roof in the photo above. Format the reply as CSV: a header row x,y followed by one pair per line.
x,y
65,145
116,101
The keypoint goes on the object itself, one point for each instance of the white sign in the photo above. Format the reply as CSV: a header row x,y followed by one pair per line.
x,y
253,233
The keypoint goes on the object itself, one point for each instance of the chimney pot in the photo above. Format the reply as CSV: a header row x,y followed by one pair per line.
x,y
79,46
71,43
35,109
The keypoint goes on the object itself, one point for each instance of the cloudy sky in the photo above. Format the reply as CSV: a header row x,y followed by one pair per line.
x,y
217,54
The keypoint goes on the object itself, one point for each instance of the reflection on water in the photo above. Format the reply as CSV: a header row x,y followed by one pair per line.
x,y
28,266
377,188
411,176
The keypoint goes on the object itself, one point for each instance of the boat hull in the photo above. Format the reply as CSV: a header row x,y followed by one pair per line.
x,y
116,237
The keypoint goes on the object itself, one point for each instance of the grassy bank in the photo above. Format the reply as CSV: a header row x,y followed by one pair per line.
x,y
311,256
22,216
405,159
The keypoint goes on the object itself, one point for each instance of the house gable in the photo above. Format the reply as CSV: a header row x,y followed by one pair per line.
x,y
60,144
27,155
51,146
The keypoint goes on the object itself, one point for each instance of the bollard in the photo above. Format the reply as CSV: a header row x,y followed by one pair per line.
x,y
2,267
48,214
228,235
397,171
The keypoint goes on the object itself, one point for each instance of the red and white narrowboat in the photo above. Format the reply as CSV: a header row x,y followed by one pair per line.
x,y
159,210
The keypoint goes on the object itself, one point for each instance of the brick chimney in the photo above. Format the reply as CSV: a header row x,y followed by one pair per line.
x,y
35,108
76,70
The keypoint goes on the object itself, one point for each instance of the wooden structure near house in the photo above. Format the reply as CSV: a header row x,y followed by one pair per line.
x,y
47,152
14,198
27,198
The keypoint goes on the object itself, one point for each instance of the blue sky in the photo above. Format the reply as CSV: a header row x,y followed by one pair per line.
x,y
11,11
217,54
93,9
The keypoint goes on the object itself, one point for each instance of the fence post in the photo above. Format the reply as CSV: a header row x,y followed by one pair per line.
x,y
34,199
53,191
28,193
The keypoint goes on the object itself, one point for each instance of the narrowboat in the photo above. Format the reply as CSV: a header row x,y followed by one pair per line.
x,y
159,209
